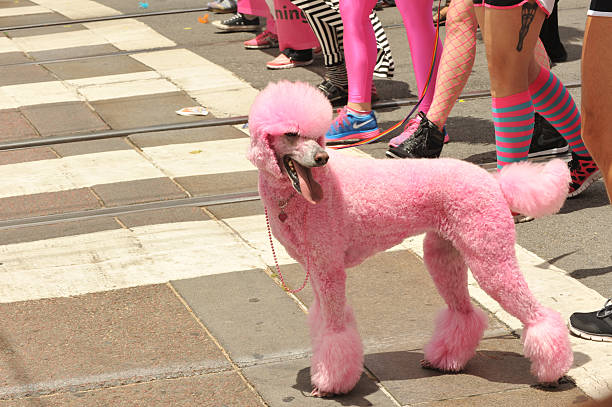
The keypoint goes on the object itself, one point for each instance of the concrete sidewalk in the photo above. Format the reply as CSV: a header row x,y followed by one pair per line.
x,y
238,339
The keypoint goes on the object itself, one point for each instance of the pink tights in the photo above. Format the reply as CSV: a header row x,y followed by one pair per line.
x,y
360,45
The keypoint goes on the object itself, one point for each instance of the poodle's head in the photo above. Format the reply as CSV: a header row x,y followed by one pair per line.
x,y
287,123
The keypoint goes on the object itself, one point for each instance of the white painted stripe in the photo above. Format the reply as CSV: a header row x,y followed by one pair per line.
x,y
127,89
40,93
120,258
78,9
109,79
23,11
7,45
68,39
7,101
210,157
74,172
555,289
223,93
92,89
129,34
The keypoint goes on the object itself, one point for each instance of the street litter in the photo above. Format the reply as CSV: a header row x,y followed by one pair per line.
x,y
193,111
143,4
203,19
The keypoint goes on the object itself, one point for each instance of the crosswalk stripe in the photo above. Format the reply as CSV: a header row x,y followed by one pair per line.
x,y
157,253
212,85
23,11
119,258
77,9
68,39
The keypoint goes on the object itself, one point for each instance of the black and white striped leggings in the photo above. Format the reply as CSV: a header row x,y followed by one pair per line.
x,y
326,23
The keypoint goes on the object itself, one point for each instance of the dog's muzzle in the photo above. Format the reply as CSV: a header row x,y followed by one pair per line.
x,y
301,176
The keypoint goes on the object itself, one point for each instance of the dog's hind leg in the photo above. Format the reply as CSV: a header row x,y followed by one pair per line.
x,y
545,337
337,360
459,327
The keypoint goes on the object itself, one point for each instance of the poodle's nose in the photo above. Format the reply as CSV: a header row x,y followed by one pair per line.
x,y
321,158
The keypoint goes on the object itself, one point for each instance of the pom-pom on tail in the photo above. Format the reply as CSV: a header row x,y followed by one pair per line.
x,y
533,189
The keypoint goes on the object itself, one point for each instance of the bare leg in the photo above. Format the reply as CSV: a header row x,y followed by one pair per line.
x,y
596,90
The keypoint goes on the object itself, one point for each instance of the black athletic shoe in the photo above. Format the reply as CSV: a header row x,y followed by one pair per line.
x,y
596,325
335,94
426,142
237,23
546,139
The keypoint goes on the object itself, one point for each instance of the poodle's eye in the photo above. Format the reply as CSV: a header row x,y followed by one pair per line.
x,y
291,135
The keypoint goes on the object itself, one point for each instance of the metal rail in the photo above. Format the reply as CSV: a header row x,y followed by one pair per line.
x,y
122,210
105,18
40,142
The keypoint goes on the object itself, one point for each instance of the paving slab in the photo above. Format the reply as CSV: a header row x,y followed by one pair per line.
x,y
26,155
59,229
211,390
133,192
73,52
288,384
498,366
394,299
172,215
237,209
253,318
63,118
103,66
91,147
14,58
217,184
30,32
12,21
14,126
20,74
162,138
25,206
101,340
141,111
516,398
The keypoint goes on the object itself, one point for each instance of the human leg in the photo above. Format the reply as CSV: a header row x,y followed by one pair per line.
x,y
422,39
596,90
359,51
510,37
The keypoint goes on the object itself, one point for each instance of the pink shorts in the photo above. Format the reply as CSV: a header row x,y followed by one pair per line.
x,y
545,5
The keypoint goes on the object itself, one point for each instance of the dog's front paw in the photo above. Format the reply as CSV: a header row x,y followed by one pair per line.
x,y
337,362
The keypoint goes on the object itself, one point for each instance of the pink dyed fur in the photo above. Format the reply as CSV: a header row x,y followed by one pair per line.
x,y
372,205
535,196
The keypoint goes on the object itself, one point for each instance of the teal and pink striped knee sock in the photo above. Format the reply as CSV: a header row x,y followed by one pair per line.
x,y
513,120
552,100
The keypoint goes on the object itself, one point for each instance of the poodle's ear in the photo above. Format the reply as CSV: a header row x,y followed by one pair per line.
x,y
262,155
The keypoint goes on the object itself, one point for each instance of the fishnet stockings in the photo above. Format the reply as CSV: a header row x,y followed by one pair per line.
x,y
457,59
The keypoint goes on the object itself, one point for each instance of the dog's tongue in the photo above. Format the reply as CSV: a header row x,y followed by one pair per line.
x,y
311,190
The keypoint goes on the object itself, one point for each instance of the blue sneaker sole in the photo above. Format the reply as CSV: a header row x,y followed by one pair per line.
x,y
353,137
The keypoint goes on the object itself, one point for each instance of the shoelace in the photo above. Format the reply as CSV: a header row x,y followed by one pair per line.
x,y
265,36
342,114
238,16
411,127
606,311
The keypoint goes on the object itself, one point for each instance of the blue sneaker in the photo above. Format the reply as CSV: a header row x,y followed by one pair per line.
x,y
349,126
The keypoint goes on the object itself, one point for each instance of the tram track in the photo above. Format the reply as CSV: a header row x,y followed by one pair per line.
x,y
108,134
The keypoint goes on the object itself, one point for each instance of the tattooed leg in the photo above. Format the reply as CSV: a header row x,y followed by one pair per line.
x,y
527,14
